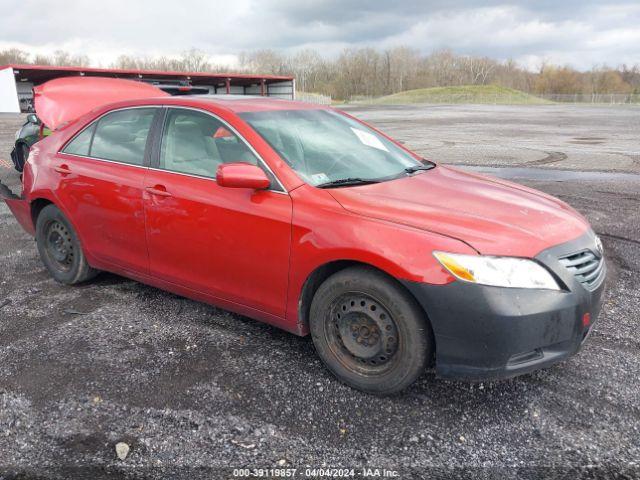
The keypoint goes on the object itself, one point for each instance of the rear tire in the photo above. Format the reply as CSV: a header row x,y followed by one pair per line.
x,y
60,249
369,331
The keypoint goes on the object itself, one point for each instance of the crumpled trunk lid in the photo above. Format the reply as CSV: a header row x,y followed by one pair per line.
x,y
60,101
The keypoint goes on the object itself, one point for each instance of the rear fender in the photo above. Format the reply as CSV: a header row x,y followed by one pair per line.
x,y
21,209
42,194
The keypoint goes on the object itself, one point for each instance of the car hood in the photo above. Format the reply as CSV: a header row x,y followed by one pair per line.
x,y
63,100
493,216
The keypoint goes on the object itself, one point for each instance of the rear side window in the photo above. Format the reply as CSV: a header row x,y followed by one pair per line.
x,y
81,144
122,136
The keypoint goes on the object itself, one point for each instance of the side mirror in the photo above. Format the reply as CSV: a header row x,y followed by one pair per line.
x,y
242,175
33,118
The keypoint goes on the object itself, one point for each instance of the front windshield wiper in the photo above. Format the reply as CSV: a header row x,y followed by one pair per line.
x,y
345,182
418,168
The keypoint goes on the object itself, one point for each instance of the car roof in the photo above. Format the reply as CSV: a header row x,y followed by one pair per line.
x,y
60,101
240,103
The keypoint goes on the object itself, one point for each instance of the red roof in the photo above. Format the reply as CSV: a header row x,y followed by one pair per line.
x,y
44,73
242,103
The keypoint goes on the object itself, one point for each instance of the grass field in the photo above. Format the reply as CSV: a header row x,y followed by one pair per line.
x,y
469,94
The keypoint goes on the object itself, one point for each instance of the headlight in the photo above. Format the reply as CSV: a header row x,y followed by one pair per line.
x,y
497,271
599,246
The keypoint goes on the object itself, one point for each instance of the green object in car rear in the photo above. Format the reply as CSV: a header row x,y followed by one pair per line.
x,y
28,134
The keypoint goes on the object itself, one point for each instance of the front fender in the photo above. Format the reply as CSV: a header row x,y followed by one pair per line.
x,y
323,232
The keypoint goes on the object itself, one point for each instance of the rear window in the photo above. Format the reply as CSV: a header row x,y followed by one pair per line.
x,y
122,136
119,136
80,145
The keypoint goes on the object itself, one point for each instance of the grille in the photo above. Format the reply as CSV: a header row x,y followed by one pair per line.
x,y
586,267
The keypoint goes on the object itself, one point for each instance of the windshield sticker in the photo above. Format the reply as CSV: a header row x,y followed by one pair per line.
x,y
369,139
319,178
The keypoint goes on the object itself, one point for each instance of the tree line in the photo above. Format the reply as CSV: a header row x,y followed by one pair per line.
x,y
369,72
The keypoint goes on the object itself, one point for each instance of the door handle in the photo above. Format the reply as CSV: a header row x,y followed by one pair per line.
x,y
158,190
62,169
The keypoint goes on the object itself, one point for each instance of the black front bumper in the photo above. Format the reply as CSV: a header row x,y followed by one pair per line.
x,y
484,332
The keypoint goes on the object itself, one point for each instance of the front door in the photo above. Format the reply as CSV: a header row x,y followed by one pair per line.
x,y
101,173
226,242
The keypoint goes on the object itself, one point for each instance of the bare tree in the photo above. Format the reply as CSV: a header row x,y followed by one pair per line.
x,y
480,68
631,76
264,61
195,61
603,80
13,55
401,67
307,66
369,72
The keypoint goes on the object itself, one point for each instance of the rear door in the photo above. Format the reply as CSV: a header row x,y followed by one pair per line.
x,y
231,243
101,172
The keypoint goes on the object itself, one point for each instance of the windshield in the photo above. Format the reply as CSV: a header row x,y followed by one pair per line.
x,y
323,146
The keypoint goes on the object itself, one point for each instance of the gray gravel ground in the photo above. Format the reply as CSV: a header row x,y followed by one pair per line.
x,y
573,137
195,390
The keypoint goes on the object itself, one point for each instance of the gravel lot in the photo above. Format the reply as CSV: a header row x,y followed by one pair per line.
x,y
195,390
573,137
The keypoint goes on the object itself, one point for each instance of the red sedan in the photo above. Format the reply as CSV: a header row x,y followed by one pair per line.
x,y
306,218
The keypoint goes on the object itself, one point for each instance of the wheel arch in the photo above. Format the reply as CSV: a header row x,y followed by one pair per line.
x,y
76,268
44,198
321,273
37,205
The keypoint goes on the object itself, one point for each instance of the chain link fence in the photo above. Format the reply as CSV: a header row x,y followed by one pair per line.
x,y
316,98
606,98
518,98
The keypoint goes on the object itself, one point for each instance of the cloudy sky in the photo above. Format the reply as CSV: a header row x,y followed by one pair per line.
x,y
580,33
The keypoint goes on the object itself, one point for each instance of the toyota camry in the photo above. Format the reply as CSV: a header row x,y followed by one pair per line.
x,y
306,218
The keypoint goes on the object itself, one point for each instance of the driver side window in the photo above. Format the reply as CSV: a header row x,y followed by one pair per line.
x,y
196,143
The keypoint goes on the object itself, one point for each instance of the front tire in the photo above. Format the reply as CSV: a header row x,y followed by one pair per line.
x,y
60,249
369,331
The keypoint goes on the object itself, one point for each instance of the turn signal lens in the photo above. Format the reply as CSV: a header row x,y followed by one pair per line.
x,y
510,272
454,267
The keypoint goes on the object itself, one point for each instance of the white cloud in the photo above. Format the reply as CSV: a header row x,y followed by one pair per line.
x,y
576,32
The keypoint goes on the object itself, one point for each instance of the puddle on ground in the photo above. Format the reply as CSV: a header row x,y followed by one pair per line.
x,y
586,142
553,175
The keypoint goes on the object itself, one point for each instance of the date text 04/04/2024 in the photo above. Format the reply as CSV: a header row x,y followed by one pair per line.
x,y
315,473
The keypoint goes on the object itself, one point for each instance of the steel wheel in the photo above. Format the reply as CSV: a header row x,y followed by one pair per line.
x,y
59,245
60,248
369,331
362,333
